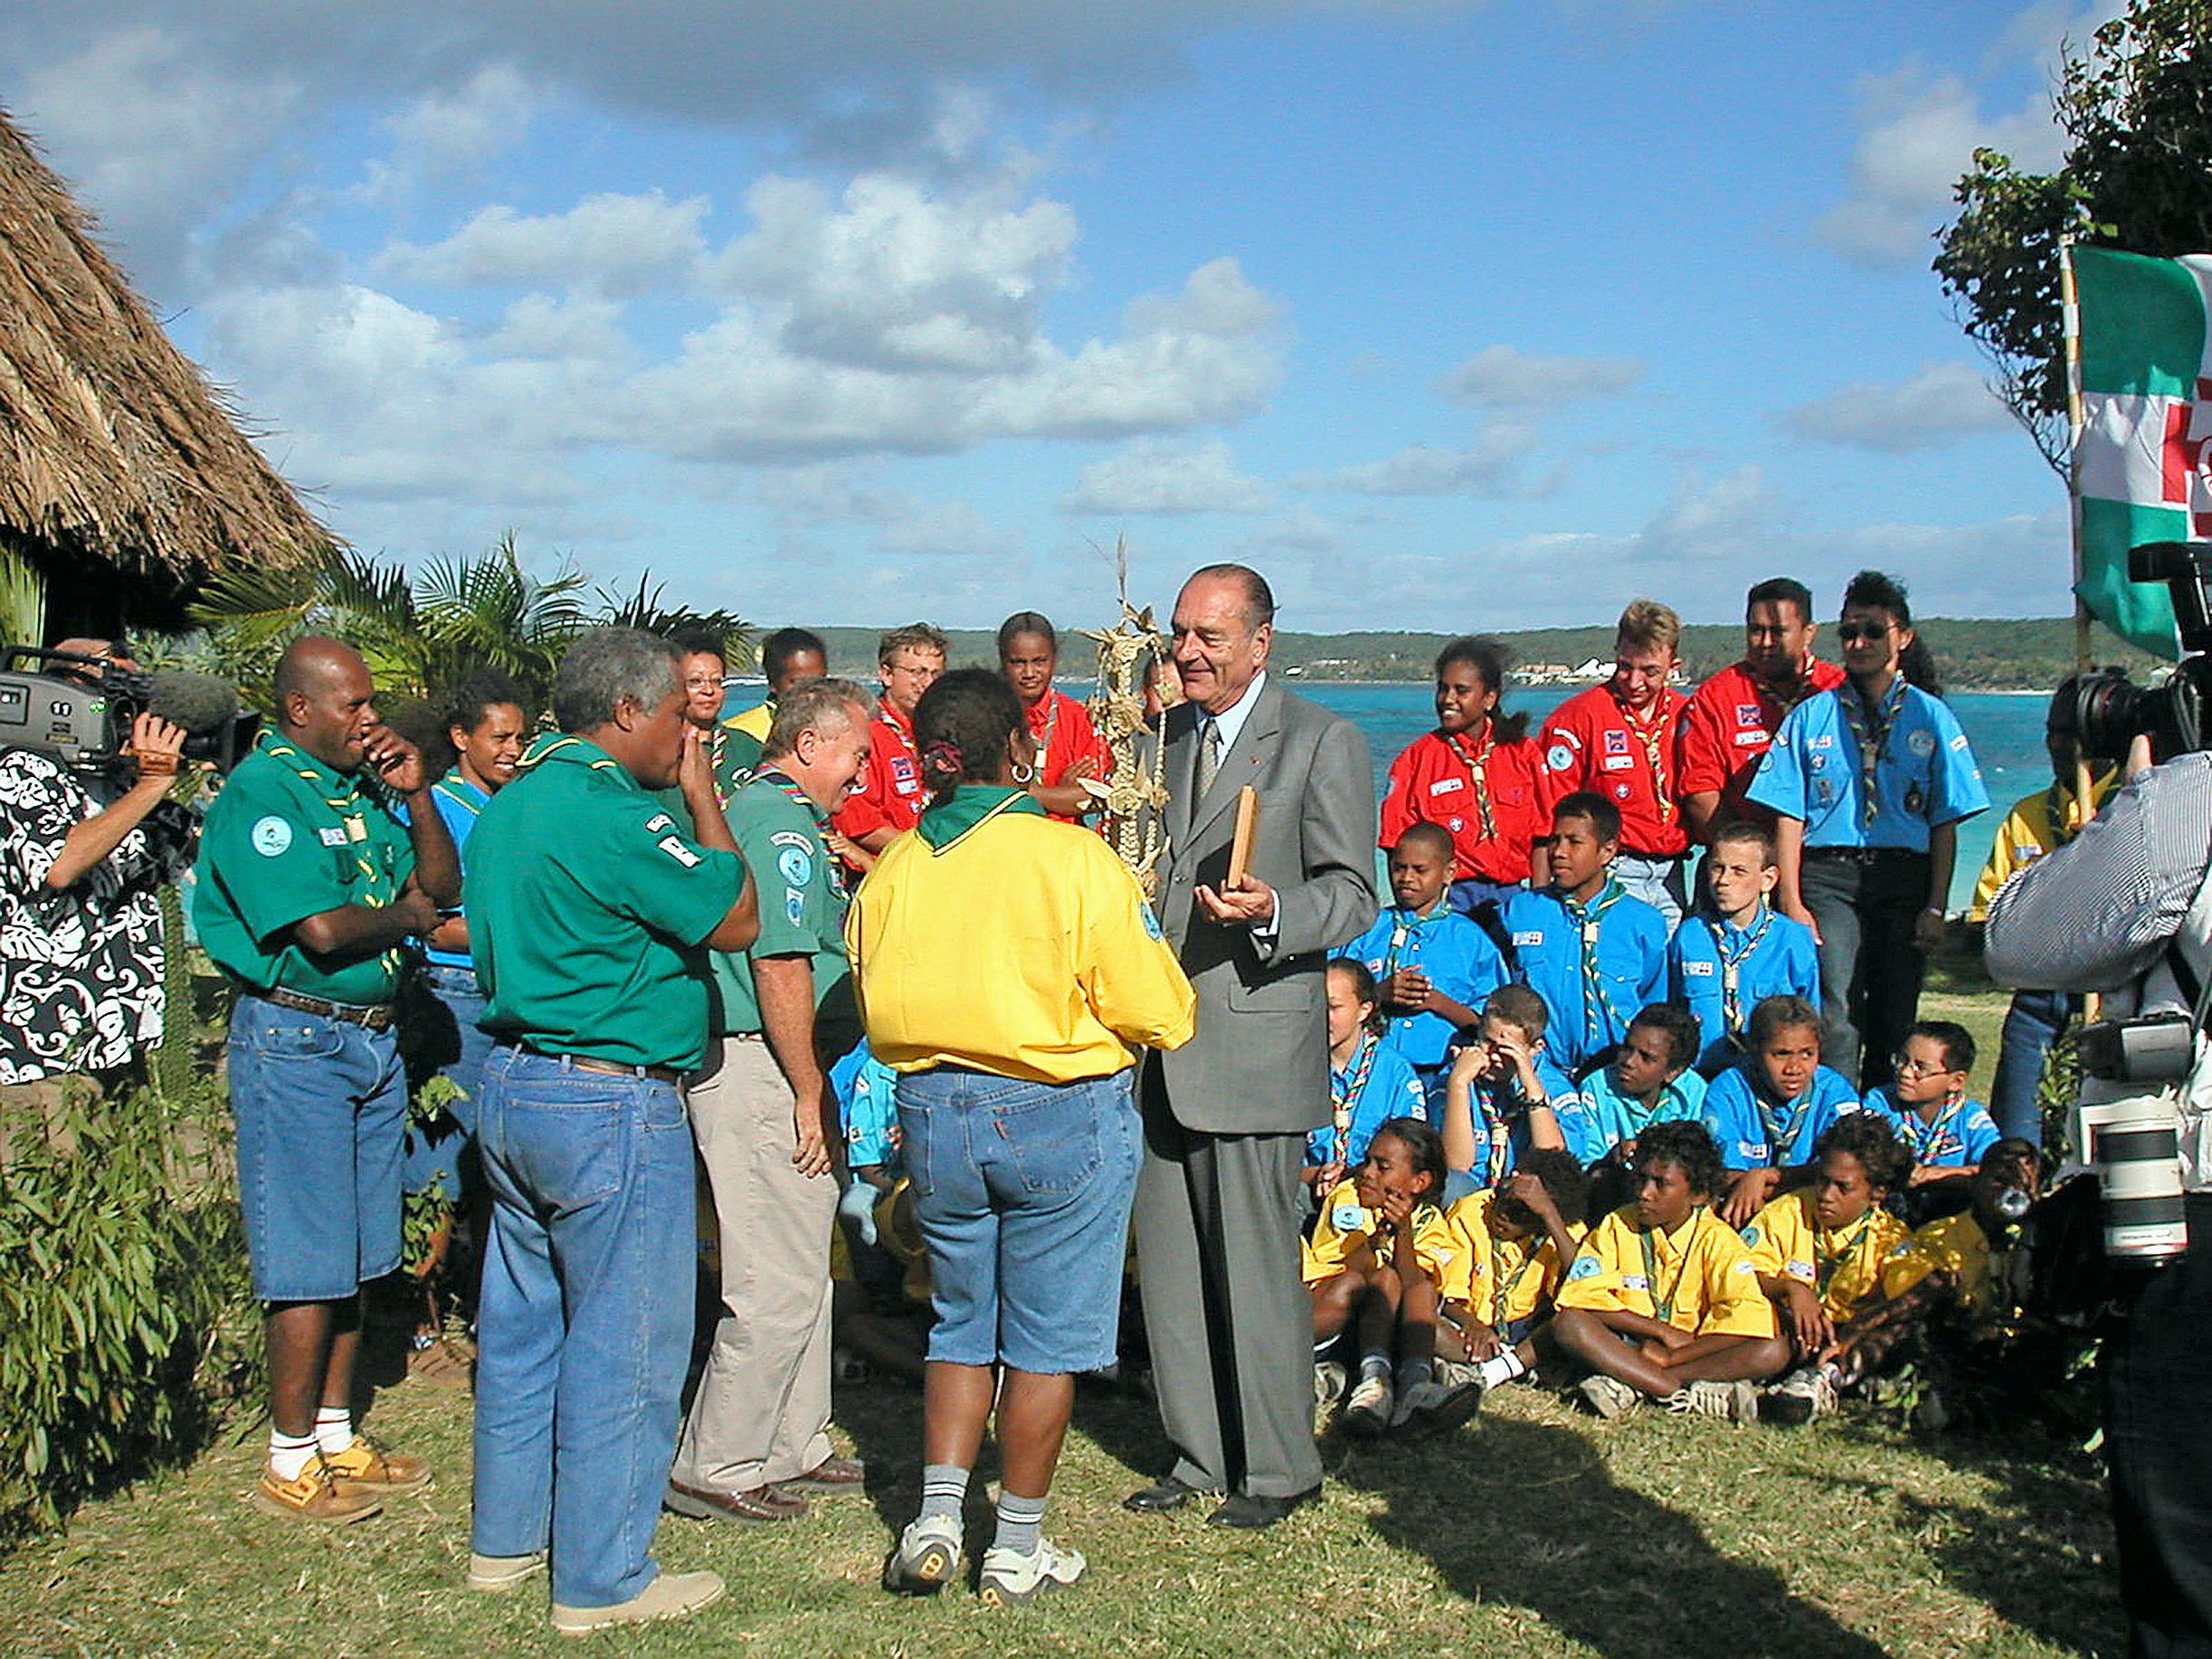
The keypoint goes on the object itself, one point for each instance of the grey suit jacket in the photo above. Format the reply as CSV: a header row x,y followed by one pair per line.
x,y
1260,1062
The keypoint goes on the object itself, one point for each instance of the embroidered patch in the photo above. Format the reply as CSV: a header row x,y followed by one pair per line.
x,y
1798,1270
795,864
1535,937
1635,1281
272,836
1616,743
1444,786
1346,1217
1746,740
1617,762
331,836
1697,970
1559,757
1747,713
794,905
673,845
1585,1267
1922,744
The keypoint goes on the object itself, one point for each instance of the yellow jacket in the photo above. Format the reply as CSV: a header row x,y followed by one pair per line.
x,y
1698,1278
1021,948
2038,824
1502,1279
1845,1268
1349,1234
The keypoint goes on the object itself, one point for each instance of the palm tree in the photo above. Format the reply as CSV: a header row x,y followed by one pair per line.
x,y
489,611
644,609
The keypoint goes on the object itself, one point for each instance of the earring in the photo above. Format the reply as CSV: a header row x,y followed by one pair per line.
x,y
1024,773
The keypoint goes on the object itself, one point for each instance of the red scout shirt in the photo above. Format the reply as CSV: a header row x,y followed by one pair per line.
x,y
889,788
1730,722
1593,742
1434,781
1064,734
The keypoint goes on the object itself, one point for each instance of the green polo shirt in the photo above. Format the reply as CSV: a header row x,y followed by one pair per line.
x,y
802,897
288,838
588,903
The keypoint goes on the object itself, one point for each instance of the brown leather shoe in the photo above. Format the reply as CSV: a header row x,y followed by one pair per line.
x,y
370,1468
314,1495
720,1503
831,1475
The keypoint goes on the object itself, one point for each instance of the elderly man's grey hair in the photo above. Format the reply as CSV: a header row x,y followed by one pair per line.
x,y
608,666
824,706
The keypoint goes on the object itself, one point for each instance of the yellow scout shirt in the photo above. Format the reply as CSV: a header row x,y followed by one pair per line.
x,y
1501,1280
2038,824
1019,947
1955,1245
1349,1234
1846,1267
1698,1278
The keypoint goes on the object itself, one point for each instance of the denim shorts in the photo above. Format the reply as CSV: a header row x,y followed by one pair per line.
x,y
320,1104
1022,1192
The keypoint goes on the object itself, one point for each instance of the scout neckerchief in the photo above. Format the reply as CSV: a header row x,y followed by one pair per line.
x,y
1781,1130
1478,767
1502,1290
1922,1137
1585,917
1732,964
1051,702
799,797
719,736
1341,1100
1870,729
348,805
1645,730
1827,1261
1406,924
1662,1310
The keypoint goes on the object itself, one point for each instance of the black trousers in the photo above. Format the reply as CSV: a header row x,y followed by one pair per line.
x,y
1870,969
2156,1371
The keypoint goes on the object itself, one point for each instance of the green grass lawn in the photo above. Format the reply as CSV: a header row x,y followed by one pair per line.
x,y
1533,1530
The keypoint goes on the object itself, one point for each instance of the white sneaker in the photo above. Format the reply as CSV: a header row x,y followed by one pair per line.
x,y
1368,1411
1732,1402
1009,1579
1807,1393
1609,1396
927,1557
1433,1407
671,1594
503,1572
1329,1383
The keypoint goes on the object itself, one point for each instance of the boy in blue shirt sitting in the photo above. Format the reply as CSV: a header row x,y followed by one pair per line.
x,y
1499,1095
1944,1131
1594,955
1432,966
1647,1081
1769,1110
1739,950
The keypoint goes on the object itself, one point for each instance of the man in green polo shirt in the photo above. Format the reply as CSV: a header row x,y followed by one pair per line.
x,y
309,887
765,1125
591,913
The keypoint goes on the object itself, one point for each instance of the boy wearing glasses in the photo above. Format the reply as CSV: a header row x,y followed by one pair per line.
x,y
1944,1133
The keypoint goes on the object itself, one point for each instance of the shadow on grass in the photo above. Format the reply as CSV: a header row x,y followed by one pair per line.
x,y
2039,1550
1525,1513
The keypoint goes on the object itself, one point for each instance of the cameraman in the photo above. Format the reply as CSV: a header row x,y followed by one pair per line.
x,y
83,859
2126,909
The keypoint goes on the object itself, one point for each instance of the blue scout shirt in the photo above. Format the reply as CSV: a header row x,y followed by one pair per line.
x,y
1922,771
1454,952
457,801
1501,1128
1717,970
1597,1117
1387,1089
1594,972
1756,1133
868,1105
1961,1133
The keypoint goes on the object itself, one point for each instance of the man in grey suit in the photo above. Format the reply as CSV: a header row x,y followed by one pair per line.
x,y
1218,1204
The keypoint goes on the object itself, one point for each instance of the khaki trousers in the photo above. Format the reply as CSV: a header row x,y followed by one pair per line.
x,y
764,1400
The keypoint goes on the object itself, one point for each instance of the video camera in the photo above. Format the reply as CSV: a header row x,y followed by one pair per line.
x,y
2110,710
79,708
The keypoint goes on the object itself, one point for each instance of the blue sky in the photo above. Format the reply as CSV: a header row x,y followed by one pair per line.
x,y
1445,316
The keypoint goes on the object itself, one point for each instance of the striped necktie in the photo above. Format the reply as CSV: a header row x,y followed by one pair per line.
x,y
1209,757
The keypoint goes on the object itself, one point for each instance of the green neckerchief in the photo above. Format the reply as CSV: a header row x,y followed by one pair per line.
x,y
1870,726
943,822
1586,918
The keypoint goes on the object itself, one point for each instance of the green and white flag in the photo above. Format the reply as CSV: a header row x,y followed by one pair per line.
x,y
2143,460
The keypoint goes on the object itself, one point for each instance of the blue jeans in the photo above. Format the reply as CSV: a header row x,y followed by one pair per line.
x,y
319,1104
1022,1191
2032,1024
1658,882
442,1153
585,1322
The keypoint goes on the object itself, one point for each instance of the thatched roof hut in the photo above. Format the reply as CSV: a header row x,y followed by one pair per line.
x,y
125,479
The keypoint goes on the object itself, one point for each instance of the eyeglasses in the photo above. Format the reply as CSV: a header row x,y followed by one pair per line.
x,y
1851,633
1904,1066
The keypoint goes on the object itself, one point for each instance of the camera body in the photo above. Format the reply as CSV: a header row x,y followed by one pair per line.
x,y
79,709
2110,710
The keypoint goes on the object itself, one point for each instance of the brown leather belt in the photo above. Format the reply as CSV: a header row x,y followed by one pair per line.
x,y
375,1015
612,1068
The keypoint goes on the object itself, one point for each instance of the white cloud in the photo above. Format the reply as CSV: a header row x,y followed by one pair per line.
x,y
1151,476
467,125
1489,467
606,243
1505,377
1942,402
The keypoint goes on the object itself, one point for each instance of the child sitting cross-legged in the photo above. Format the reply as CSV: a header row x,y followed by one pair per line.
x,y
1376,1256
1368,1082
1502,1095
1647,1081
1945,1133
1769,1109
1512,1245
1821,1252
1663,1303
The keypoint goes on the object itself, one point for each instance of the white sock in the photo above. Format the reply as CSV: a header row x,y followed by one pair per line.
x,y
289,1454
334,1429
1500,1368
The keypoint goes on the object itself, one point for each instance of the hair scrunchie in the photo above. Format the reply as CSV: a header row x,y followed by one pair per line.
x,y
942,757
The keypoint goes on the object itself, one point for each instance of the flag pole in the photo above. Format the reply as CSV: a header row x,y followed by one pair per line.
x,y
2070,314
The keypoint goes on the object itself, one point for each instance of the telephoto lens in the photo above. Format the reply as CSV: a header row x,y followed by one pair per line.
x,y
2134,1143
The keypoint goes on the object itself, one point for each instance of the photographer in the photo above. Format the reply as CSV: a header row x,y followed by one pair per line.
x,y
84,855
2126,909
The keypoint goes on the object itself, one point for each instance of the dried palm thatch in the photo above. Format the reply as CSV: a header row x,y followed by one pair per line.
x,y
124,476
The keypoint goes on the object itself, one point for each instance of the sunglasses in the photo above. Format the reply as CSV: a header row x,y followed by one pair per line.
x,y
1851,633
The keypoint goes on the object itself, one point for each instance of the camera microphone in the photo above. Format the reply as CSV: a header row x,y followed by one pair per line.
x,y
200,703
